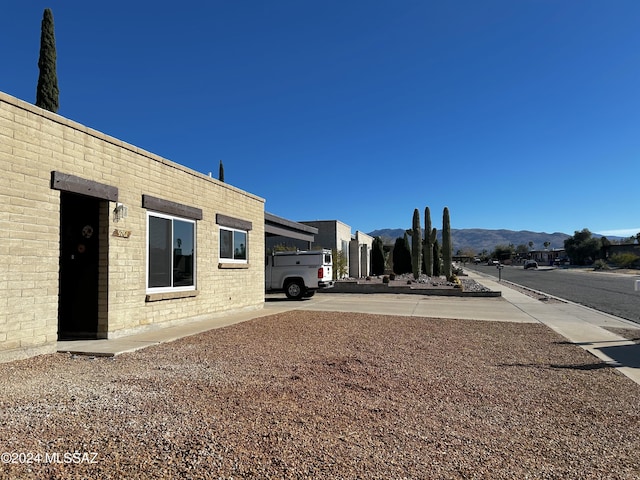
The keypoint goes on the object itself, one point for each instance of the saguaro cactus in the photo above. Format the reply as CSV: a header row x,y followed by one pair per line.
x,y
416,245
429,238
446,243
437,264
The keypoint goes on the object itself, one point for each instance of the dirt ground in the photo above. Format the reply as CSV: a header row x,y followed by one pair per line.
x,y
325,395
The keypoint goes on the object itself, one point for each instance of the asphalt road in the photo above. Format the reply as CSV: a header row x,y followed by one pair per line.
x,y
607,292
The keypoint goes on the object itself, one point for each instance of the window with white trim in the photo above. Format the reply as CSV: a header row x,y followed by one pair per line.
x,y
171,253
233,245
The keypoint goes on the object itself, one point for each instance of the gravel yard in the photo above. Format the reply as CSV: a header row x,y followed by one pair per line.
x,y
326,395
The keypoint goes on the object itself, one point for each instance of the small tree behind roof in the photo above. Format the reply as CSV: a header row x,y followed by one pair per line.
x,y
47,91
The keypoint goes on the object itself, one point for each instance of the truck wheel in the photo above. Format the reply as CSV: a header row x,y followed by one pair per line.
x,y
294,290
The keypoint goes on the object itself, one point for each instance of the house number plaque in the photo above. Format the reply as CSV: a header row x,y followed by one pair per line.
x,y
121,233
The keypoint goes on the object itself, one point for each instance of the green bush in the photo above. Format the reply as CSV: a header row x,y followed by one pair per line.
x,y
340,264
385,279
600,265
625,259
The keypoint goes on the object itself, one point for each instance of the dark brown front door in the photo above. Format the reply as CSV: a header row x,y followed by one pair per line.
x,y
79,261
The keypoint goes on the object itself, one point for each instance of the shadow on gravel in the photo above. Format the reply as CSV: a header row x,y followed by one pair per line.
x,y
583,366
623,355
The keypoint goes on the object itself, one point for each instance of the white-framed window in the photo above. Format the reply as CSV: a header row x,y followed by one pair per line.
x,y
233,245
171,253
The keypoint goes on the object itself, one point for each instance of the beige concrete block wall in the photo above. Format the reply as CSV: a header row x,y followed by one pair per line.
x,y
360,254
29,238
33,143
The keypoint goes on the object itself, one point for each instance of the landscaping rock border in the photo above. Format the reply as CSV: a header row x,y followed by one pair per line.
x,y
407,285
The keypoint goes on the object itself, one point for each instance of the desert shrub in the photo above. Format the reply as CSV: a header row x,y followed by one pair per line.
x,y
385,279
625,259
340,264
455,280
600,265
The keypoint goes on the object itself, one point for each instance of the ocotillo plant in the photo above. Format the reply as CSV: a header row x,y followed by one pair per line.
x,y
416,245
446,243
429,238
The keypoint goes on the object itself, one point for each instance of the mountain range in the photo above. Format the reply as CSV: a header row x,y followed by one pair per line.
x,y
479,240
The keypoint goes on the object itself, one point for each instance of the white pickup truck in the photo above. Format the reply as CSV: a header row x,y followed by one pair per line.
x,y
298,274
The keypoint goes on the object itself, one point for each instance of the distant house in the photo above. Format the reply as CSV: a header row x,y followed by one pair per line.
x,y
334,235
547,257
101,239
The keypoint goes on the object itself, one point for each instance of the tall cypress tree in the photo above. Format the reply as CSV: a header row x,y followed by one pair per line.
x,y
402,255
47,91
377,257
221,172
406,253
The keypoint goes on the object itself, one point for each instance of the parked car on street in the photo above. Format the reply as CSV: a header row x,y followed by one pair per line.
x,y
530,264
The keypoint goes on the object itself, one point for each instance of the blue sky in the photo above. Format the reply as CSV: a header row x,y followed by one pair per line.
x,y
516,114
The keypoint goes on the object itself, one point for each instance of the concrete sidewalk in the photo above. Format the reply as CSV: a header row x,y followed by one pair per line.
x,y
580,325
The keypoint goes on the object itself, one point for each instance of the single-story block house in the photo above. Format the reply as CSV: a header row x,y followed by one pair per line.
x,y
100,239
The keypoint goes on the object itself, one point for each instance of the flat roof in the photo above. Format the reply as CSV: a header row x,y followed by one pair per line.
x,y
281,227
